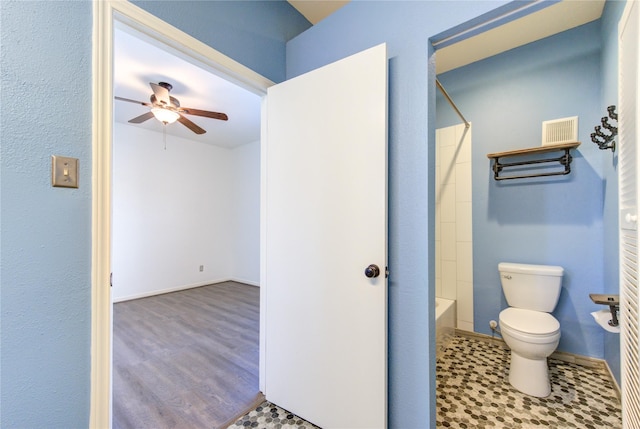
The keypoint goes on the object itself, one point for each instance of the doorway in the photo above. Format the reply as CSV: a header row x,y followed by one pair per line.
x,y
185,238
186,206
495,219
107,16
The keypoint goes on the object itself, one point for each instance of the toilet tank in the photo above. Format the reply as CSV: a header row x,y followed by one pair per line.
x,y
533,287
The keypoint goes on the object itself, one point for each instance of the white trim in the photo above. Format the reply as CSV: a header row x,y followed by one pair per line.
x,y
183,287
262,383
105,14
100,407
244,281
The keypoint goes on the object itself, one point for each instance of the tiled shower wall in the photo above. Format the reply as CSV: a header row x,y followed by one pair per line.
x,y
454,250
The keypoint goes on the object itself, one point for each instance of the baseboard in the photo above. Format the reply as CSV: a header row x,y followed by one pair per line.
x,y
562,356
559,355
179,288
616,387
247,282
498,341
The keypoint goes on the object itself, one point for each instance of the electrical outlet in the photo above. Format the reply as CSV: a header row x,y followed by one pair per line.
x,y
201,268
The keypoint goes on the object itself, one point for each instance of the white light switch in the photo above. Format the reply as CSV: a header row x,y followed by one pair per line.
x,y
64,171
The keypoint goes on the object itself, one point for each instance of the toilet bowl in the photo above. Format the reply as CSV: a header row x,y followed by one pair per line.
x,y
527,327
531,336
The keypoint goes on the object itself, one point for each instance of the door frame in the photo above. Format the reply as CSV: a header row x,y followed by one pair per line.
x,y
105,16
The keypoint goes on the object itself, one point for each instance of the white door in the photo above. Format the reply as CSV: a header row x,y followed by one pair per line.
x,y
324,223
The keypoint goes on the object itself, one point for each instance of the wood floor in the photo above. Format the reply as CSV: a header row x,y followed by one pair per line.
x,y
186,359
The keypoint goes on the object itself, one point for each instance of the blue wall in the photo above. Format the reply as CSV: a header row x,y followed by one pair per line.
x,y
46,232
251,32
570,222
556,221
45,258
406,27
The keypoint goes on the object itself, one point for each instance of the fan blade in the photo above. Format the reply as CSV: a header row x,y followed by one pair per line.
x,y
205,113
193,127
140,119
132,101
161,93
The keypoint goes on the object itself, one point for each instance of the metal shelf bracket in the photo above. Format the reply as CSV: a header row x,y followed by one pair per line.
x,y
564,160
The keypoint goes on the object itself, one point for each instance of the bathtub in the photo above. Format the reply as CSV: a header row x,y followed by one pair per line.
x,y
445,323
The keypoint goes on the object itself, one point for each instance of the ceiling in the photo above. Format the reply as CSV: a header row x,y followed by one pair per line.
x,y
316,10
546,22
138,61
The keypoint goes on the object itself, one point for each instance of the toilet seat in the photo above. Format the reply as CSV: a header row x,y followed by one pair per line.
x,y
529,323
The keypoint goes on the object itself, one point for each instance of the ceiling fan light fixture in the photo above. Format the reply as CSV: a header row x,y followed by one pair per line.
x,y
167,110
164,115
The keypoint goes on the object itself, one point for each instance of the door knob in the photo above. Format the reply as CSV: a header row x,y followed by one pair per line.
x,y
372,271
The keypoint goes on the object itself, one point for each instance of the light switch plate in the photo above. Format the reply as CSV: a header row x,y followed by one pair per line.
x,y
64,171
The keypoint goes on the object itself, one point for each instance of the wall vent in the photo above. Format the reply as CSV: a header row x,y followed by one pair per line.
x,y
559,131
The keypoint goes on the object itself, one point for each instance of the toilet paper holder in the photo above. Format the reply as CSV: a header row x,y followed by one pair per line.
x,y
613,301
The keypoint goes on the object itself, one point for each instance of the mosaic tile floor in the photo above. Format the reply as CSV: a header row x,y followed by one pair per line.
x,y
473,391
268,416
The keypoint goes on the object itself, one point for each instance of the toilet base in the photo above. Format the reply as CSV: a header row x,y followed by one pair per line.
x,y
530,376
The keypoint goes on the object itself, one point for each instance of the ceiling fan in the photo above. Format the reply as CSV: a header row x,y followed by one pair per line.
x,y
167,110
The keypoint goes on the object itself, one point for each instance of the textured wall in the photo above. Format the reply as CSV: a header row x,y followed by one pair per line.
x,y
406,26
46,231
474,103
253,33
553,221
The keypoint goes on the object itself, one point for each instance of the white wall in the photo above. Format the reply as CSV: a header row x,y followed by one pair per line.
x,y
174,210
245,263
454,250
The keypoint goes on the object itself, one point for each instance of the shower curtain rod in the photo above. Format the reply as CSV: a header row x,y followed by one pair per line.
x,y
446,95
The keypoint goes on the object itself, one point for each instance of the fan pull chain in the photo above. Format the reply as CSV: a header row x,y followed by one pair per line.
x,y
164,133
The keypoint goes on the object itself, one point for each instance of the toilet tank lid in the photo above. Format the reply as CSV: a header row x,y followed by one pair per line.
x,y
544,270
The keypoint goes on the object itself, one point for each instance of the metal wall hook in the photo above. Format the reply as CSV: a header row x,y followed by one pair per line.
x,y
603,140
608,126
599,132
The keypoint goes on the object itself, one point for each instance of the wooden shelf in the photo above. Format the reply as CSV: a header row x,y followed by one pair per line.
x,y
564,160
533,150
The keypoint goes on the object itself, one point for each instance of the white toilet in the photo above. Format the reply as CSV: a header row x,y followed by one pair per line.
x,y
532,334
